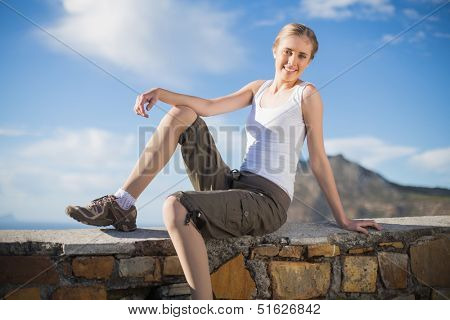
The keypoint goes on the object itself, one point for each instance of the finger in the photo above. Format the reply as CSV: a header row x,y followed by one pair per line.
x,y
142,109
136,110
373,224
136,105
376,225
367,223
361,229
150,104
140,101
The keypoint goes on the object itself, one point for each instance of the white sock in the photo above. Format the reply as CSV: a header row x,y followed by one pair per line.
x,y
124,199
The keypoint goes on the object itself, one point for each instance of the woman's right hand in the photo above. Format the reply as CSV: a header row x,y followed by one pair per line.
x,y
148,98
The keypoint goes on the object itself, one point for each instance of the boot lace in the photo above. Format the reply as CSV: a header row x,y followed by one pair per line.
x,y
97,204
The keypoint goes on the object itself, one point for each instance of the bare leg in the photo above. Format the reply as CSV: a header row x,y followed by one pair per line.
x,y
188,242
159,149
190,247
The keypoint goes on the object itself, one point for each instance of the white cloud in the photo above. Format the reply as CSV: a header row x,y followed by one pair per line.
x,y
390,38
372,152
415,15
368,151
417,36
165,41
7,132
442,35
76,182
411,13
39,179
343,9
436,160
86,148
277,18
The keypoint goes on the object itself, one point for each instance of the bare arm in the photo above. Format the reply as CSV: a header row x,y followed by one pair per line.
x,y
312,108
203,107
199,105
237,100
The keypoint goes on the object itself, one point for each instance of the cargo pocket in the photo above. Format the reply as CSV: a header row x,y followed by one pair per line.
x,y
238,216
248,215
266,215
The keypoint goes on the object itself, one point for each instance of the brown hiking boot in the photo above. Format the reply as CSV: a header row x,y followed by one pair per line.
x,y
105,211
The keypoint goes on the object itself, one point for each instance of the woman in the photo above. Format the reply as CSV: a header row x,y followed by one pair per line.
x,y
227,203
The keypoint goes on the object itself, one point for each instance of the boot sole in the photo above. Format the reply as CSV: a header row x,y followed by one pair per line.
x,y
74,214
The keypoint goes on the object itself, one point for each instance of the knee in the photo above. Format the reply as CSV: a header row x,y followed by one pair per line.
x,y
181,117
173,213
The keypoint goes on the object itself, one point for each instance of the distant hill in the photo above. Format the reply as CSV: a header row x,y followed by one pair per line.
x,y
364,194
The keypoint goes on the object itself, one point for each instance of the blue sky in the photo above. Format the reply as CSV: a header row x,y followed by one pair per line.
x,y
68,133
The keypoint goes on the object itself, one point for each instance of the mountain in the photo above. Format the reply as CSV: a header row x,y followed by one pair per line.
x,y
364,194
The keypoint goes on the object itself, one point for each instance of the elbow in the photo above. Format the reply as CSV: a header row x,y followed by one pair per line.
x,y
204,113
207,111
203,108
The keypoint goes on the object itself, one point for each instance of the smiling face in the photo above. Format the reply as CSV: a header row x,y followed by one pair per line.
x,y
292,56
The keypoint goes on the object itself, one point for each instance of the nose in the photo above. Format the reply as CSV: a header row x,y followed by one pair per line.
x,y
292,60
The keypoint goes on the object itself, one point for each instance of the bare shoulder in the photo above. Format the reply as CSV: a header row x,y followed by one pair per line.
x,y
310,95
311,106
255,85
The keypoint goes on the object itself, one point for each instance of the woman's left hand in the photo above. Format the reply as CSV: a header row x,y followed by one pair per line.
x,y
360,225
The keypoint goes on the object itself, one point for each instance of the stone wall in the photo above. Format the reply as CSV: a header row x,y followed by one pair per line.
x,y
409,259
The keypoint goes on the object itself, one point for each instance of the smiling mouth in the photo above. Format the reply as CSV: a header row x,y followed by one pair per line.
x,y
290,70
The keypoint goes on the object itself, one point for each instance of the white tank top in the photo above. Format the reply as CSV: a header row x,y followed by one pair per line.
x,y
275,138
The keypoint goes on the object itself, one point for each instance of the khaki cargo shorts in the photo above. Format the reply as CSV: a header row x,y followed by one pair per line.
x,y
226,203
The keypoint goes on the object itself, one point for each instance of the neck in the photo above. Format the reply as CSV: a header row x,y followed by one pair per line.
x,y
280,85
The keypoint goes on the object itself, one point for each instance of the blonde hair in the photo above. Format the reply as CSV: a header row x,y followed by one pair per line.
x,y
297,29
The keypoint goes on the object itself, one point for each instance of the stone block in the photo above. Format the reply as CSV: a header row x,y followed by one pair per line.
x,y
323,249
359,274
21,269
172,266
430,262
233,281
299,280
393,269
291,252
175,291
140,267
93,267
267,250
155,275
